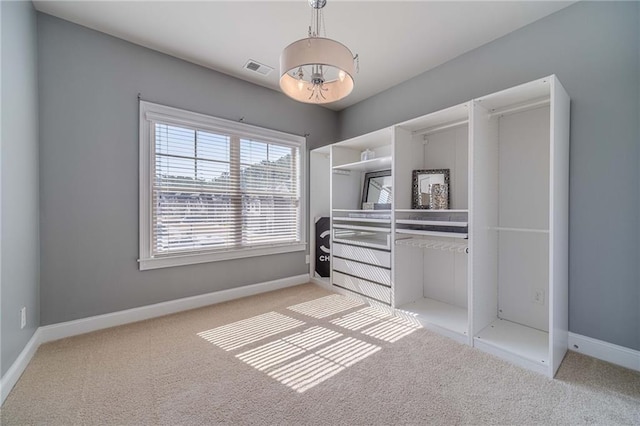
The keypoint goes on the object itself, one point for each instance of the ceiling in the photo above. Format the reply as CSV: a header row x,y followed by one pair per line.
x,y
395,40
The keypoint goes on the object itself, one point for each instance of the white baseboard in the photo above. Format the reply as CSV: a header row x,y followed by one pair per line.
x,y
605,351
99,322
10,378
58,331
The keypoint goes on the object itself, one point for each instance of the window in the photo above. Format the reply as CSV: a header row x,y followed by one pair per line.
x,y
213,189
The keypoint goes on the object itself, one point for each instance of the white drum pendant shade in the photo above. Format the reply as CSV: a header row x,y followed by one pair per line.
x,y
336,60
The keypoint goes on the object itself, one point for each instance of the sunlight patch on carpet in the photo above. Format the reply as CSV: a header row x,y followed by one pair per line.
x,y
306,358
361,318
348,351
392,330
326,306
306,373
312,337
271,354
313,369
274,353
235,335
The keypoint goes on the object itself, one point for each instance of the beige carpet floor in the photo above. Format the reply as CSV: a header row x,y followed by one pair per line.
x,y
303,356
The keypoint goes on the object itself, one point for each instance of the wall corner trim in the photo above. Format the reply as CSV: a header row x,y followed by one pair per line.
x,y
62,330
605,351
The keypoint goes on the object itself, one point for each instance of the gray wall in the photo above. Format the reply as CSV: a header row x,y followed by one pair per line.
x,y
89,168
593,48
19,264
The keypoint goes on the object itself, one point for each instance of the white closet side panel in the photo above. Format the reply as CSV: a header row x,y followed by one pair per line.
x,y
483,240
460,184
319,184
445,277
524,169
319,197
559,232
407,156
523,268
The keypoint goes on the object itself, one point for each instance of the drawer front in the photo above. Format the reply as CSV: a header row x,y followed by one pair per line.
x,y
362,254
365,288
361,270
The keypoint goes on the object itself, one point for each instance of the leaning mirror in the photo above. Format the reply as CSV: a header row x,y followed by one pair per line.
x,y
430,189
376,192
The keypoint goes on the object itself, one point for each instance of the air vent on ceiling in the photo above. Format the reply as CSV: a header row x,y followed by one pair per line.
x,y
255,66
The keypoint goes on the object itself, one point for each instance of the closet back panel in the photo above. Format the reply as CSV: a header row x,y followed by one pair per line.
x,y
445,277
449,149
523,257
524,169
347,190
523,270
407,157
409,275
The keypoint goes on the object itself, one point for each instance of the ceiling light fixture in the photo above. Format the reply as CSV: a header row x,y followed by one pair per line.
x,y
317,70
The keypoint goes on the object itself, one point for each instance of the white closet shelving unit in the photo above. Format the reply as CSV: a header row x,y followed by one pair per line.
x,y
492,270
362,239
431,264
520,237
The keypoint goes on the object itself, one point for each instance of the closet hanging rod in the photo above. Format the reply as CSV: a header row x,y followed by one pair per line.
x,y
520,107
431,130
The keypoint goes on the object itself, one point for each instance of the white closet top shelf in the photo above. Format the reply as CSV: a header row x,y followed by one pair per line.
x,y
380,163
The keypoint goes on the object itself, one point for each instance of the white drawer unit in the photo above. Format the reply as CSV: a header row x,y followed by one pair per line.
x,y
362,270
366,288
362,254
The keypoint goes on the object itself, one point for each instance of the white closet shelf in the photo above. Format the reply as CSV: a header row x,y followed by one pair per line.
x,y
450,317
380,163
431,233
361,211
431,222
361,219
526,342
377,241
537,231
432,211
434,244
363,228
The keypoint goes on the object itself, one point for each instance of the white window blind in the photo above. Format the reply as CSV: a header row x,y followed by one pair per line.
x,y
215,188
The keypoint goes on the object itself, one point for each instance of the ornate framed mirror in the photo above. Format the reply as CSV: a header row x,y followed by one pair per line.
x,y
421,187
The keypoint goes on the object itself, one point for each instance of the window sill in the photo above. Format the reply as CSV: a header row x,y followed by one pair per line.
x,y
192,259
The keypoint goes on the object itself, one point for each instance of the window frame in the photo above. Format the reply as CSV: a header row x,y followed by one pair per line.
x,y
151,113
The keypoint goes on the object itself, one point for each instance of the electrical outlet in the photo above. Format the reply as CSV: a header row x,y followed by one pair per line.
x,y
307,259
23,317
538,297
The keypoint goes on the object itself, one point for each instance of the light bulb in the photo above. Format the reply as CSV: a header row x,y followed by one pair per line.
x,y
341,75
